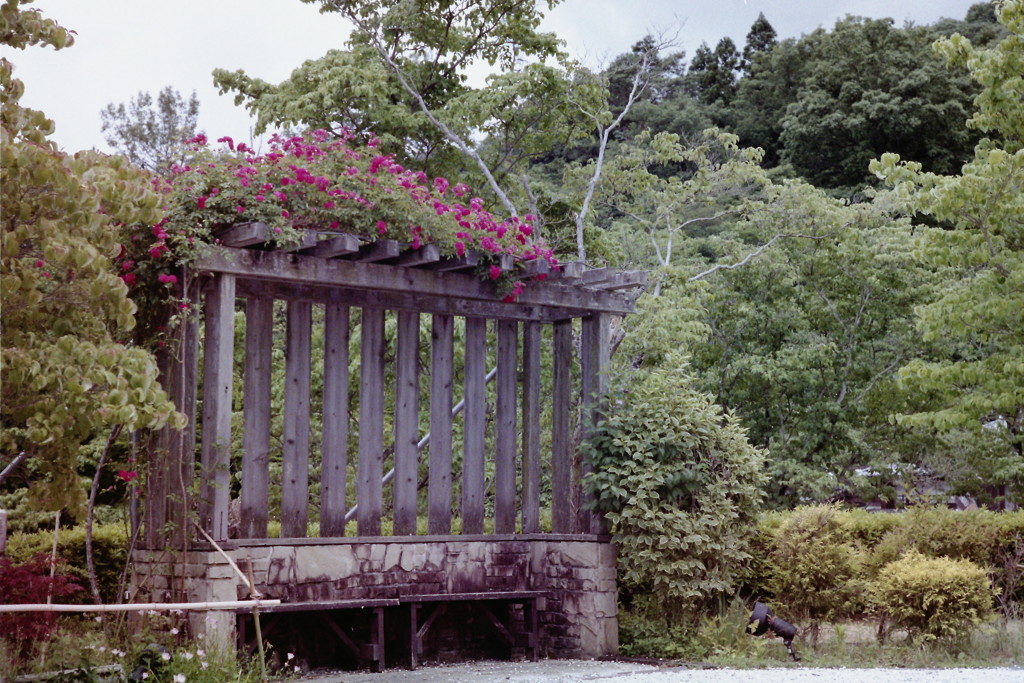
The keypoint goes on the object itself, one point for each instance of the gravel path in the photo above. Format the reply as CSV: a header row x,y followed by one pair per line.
x,y
570,671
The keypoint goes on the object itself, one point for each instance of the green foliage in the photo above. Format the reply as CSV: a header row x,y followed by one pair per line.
x,y
109,547
979,314
66,375
152,136
814,566
932,598
678,483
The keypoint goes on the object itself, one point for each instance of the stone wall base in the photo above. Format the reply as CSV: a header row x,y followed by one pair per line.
x,y
578,617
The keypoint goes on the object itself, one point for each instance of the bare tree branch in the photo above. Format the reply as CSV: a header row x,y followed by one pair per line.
x,y
753,254
452,136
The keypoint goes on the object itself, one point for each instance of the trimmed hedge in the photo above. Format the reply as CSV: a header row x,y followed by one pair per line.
x,y
786,546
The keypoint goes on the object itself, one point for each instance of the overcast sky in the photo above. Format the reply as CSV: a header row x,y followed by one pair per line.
x,y
127,46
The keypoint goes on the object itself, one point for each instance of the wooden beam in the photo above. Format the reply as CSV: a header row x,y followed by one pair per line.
x,y
467,261
402,301
338,245
624,280
245,235
269,265
505,442
596,276
307,240
474,426
334,459
567,271
259,337
378,251
407,420
531,427
533,267
561,429
594,359
369,491
217,390
439,513
428,253
295,455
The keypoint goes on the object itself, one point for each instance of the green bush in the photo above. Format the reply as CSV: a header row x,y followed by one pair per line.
x,y
679,484
110,552
932,597
814,567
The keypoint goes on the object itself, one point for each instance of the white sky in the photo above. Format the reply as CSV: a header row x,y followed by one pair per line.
x,y
127,46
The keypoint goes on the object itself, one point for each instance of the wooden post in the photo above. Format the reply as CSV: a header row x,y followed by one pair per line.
x,y
369,490
473,426
259,328
594,358
172,452
407,420
531,427
561,429
505,429
295,456
335,421
217,379
439,513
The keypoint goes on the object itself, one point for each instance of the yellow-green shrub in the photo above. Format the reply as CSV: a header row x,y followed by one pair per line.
x,y
932,597
814,566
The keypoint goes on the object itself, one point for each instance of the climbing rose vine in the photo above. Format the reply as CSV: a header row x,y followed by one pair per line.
x,y
320,182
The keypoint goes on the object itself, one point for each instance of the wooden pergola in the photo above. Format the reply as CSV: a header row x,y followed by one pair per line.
x,y
339,273
543,591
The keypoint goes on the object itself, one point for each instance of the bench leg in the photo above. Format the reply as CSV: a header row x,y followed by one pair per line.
x,y
531,624
377,638
413,628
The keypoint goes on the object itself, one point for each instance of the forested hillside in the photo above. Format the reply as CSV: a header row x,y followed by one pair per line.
x,y
832,222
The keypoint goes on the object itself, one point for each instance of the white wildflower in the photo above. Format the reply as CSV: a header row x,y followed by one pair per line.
x,y
145,675
187,655
174,631
179,678
291,656
200,653
298,669
166,656
203,664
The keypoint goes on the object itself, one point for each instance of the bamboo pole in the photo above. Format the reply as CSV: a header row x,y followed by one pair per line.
x,y
142,606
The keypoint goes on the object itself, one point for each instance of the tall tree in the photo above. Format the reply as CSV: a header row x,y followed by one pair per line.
x,y
152,135
760,39
67,375
713,73
980,311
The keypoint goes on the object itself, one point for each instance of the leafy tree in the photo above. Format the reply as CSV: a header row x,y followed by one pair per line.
x,y
803,342
66,376
875,89
979,313
152,136
679,484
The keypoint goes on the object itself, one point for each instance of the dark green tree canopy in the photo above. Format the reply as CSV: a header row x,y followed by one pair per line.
x,y
760,39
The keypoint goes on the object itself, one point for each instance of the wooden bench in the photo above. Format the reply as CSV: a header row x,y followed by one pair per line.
x,y
437,604
372,652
